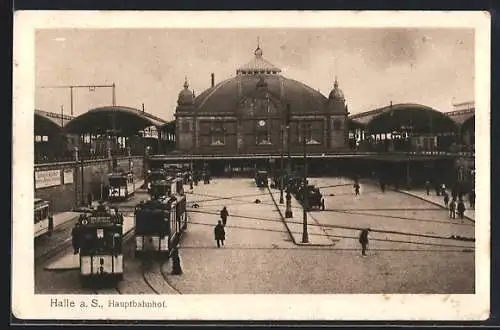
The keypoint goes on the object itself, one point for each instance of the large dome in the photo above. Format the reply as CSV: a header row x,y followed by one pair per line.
x,y
225,96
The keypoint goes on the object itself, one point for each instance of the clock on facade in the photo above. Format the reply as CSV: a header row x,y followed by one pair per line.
x,y
262,123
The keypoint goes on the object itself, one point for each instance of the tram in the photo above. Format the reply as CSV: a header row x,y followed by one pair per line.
x,y
157,174
121,186
160,221
100,239
44,223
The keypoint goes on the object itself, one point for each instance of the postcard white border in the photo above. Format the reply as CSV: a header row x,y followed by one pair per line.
x,y
27,305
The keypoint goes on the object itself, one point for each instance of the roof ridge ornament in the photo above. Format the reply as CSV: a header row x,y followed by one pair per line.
x,y
258,51
186,84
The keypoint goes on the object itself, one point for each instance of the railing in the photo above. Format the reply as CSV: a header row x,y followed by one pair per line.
x,y
187,156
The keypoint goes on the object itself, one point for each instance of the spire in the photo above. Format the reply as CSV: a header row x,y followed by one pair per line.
x,y
258,51
336,83
186,85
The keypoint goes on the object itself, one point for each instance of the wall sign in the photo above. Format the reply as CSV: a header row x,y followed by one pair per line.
x,y
49,178
68,176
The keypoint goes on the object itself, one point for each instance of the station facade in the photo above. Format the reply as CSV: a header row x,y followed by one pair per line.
x,y
259,111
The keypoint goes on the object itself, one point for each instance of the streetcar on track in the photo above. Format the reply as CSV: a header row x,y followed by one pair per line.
x,y
44,223
121,186
156,174
160,221
100,239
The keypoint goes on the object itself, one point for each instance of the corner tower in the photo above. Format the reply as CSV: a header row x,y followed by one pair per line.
x,y
337,117
185,123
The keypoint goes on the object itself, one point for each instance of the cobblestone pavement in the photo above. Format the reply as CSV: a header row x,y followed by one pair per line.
x,y
410,250
260,257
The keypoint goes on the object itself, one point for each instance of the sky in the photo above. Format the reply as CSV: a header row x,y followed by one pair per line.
x,y
374,66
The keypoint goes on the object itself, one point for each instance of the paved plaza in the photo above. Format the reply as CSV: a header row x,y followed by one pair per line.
x,y
410,250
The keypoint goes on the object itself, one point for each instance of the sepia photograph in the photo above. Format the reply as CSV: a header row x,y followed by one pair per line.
x,y
281,165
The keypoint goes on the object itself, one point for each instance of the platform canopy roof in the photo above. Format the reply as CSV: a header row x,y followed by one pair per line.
x,y
462,117
48,123
119,120
416,118
169,126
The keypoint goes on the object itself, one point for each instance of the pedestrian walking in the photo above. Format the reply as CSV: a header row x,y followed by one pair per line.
x,y
446,200
322,204
75,238
461,208
356,189
454,193
443,188
363,240
176,263
382,185
437,188
427,187
472,199
220,234
51,224
452,209
223,215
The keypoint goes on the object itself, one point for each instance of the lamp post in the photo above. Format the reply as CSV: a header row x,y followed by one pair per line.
x,y
281,165
305,235
288,209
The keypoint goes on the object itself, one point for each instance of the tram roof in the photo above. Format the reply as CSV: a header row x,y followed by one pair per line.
x,y
418,117
120,120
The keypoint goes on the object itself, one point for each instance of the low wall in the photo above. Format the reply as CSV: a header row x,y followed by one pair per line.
x,y
61,183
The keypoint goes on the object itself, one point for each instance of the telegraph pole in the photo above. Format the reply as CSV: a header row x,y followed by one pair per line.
x,y
62,116
90,87
305,235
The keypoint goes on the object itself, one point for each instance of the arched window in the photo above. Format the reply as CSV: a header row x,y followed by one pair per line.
x,y
217,134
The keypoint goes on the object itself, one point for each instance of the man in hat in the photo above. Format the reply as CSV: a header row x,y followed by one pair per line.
x,y
363,240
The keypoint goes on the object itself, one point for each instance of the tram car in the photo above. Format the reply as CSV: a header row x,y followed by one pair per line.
x,y
261,179
100,240
160,188
44,222
160,222
121,186
156,174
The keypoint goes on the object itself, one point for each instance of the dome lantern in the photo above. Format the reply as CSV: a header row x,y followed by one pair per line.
x,y
186,97
336,94
258,65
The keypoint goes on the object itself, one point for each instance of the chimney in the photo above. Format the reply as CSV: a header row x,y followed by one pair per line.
x,y
213,79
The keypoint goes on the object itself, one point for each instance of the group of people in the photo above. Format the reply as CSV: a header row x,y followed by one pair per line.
x,y
456,206
219,231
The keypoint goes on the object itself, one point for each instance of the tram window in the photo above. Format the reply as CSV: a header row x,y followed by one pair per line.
x,y
38,216
44,213
100,233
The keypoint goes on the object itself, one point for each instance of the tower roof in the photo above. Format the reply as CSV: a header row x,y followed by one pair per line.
x,y
258,65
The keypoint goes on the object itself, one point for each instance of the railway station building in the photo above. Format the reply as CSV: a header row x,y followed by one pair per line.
x,y
247,114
